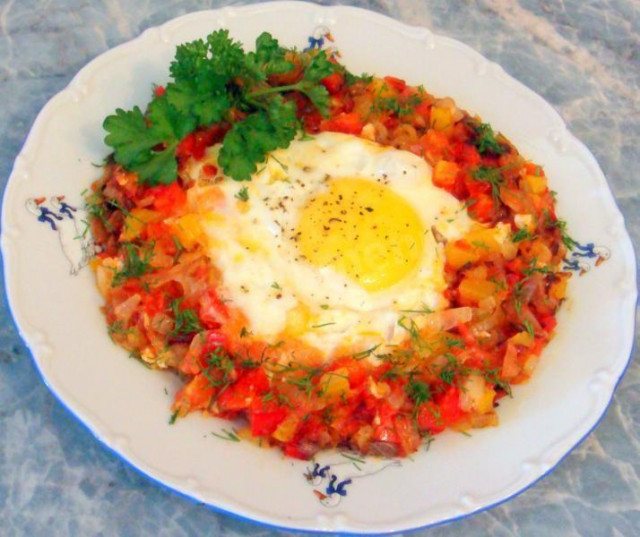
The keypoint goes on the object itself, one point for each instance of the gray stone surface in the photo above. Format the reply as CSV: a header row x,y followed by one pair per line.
x,y
580,55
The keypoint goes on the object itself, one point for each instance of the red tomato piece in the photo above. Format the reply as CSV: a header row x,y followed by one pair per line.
x,y
186,145
391,122
396,83
214,340
312,122
264,418
468,154
548,322
429,418
449,406
333,83
346,122
424,110
483,208
249,388
168,199
155,302
357,372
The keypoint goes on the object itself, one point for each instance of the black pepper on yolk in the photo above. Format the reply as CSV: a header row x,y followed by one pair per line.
x,y
363,230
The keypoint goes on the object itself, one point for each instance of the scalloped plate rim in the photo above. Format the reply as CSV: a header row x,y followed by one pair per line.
x,y
94,66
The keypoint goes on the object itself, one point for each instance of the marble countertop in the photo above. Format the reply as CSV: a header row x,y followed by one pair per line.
x,y
57,480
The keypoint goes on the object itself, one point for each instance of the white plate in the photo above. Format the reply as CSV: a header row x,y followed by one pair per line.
x,y
127,406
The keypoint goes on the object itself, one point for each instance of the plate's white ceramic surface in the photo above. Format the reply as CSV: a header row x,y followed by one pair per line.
x,y
127,406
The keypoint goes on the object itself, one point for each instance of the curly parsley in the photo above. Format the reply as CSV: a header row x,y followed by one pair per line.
x,y
215,80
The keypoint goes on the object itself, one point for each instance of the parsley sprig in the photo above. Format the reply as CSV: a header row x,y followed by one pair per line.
x,y
215,80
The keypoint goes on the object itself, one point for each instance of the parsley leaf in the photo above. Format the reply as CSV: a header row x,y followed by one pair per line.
x,y
268,59
319,67
147,146
249,141
213,81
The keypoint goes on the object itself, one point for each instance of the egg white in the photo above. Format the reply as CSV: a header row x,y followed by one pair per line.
x,y
253,243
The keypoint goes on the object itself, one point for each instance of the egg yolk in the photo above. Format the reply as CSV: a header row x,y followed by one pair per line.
x,y
361,229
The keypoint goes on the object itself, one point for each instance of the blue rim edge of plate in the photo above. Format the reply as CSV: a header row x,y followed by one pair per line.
x,y
241,517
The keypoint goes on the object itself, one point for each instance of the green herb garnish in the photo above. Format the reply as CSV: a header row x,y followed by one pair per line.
x,y
212,79
185,320
486,140
136,263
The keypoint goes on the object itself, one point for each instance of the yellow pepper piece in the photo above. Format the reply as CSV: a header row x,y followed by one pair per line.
x,y
459,254
522,338
535,184
473,290
136,221
441,118
188,230
334,384
287,428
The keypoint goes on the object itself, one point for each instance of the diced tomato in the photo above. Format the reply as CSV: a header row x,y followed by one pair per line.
x,y
534,169
156,230
435,144
264,417
516,265
203,139
548,322
429,418
250,386
424,110
312,122
468,155
483,208
397,84
476,188
333,83
168,199
213,340
445,174
297,451
195,144
346,122
449,406
186,145
391,122
153,303
357,372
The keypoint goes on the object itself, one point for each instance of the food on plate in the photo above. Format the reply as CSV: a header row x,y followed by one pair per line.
x,y
332,260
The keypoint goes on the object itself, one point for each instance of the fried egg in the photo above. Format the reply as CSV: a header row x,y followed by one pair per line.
x,y
332,242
